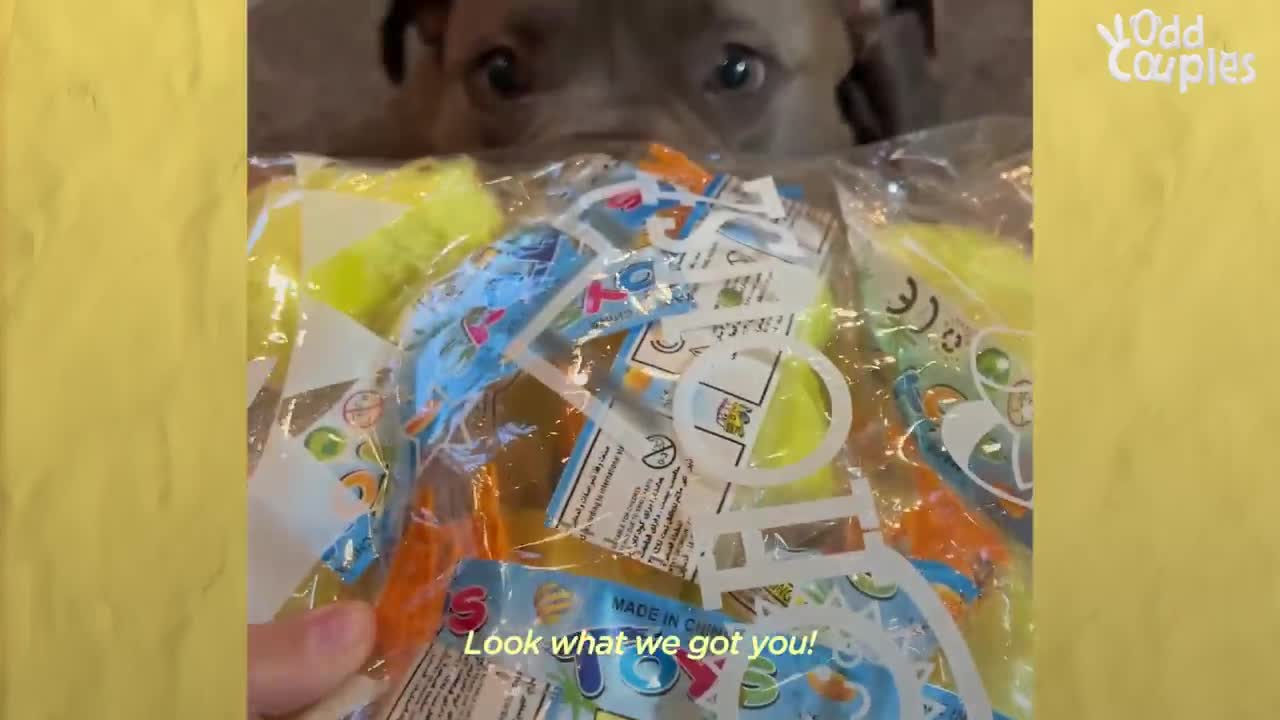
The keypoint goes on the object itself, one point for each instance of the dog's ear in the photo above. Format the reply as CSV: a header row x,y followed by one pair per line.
x,y
891,89
863,15
925,12
428,17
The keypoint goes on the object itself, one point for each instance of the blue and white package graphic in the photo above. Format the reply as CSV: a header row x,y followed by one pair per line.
x,y
571,647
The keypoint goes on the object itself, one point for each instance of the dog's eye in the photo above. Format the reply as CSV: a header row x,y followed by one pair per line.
x,y
502,72
741,69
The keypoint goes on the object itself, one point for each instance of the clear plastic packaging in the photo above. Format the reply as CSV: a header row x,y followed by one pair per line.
x,y
643,396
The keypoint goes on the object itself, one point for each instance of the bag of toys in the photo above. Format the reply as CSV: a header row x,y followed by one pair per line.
x,y
637,435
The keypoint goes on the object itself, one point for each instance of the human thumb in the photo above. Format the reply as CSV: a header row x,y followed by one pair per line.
x,y
297,661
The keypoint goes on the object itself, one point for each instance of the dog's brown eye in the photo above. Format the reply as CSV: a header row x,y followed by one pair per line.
x,y
740,69
503,74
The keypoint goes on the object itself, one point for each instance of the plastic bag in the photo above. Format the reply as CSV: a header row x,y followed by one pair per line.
x,y
777,418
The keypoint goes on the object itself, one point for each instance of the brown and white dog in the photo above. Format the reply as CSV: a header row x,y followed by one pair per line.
x,y
760,77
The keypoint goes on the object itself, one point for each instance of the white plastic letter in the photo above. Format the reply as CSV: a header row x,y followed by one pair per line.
x,y
700,370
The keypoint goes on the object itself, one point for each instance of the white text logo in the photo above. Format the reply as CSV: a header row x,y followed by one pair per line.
x,y
1193,64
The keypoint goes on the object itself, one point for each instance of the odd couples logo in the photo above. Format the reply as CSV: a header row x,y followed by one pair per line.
x,y
1187,57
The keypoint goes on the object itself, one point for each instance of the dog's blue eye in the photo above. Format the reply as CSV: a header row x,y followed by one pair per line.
x,y
740,69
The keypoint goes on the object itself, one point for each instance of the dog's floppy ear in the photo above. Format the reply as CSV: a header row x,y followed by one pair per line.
x,y
863,15
428,17
925,12
891,89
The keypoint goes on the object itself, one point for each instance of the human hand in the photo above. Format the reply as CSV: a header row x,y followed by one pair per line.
x,y
297,661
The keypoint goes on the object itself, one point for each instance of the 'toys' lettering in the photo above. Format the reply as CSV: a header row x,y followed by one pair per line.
x,y
637,277
649,673
586,661
468,610
760,684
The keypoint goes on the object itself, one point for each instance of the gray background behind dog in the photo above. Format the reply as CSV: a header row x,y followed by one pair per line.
x,y
315,77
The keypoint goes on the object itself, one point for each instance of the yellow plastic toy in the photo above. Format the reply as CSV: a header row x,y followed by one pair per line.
x,y
981,279
450,215
796,420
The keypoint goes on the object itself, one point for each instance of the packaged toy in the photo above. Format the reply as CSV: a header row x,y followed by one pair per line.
x,y
644,436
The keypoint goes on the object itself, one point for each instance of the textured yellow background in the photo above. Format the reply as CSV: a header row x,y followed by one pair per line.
x,y
122,223
122,218
1158,394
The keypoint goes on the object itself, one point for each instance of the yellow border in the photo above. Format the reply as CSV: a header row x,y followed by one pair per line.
x,y
122,222
1157,277
121,534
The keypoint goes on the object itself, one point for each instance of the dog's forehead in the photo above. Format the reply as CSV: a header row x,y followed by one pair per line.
x,y
789,24
772,13
771,17
796,30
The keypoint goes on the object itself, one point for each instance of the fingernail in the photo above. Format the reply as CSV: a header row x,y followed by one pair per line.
x,y
336,628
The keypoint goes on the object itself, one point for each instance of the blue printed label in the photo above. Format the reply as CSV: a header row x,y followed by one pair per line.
x,y
567,647
460,330
348,439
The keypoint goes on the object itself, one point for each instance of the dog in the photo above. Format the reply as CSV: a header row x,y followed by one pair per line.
x,y
754,77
